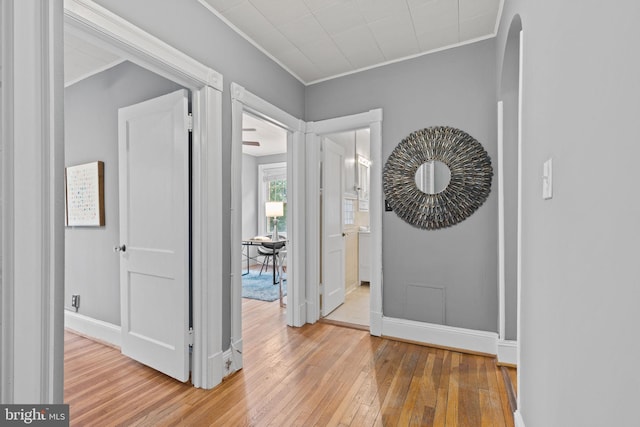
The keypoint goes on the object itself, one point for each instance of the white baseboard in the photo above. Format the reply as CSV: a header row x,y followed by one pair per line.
x,y
517,419
375,317
440,335
215,366
232,359
98,329
508,352
302,312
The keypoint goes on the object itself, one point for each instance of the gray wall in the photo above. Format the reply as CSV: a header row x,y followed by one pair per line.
x,y
272,158
249,196
191,28
456,88
508,89
580,293
92,269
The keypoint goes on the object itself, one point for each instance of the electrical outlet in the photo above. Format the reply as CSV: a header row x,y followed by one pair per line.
x,y
75,301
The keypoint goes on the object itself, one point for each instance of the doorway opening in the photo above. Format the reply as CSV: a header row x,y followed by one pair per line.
x,y
94,256
325,238
265,210
278,208
510,199
346,291
148,61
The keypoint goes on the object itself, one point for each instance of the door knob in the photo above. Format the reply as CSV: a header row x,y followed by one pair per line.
x,y
344,234
122,248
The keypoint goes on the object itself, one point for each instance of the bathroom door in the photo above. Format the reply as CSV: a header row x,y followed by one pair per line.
x,y
333,253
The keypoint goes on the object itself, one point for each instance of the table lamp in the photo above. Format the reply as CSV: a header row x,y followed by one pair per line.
x,y
274,210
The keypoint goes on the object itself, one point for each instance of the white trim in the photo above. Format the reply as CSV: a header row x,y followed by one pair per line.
x,y
92,21
243,100
139,46
232,359
508,352
501,231
206,231
262,193
94,72
373,120
32,214
312,280
296,223
519,243
215,365
517,419
265,110
227,362
103,331
376,208
6,200
441,335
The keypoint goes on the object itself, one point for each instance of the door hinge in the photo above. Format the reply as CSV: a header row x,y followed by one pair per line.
x,y
190,122
321,289
190,337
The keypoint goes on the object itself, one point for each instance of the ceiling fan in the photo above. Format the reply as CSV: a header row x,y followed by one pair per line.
x,y
251,143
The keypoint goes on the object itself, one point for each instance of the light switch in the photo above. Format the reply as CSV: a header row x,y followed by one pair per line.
x,y
547,179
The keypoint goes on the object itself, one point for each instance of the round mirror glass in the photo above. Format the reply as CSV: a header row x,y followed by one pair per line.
x,y
432,177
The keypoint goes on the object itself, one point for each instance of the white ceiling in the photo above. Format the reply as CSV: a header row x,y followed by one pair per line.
x,y
272,139
320,39
83,59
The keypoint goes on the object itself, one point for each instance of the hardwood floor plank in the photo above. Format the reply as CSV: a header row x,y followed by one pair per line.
x,y
469,412
452,395
499,403
319,374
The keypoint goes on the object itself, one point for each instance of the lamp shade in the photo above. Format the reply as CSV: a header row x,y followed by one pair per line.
x,y
274,209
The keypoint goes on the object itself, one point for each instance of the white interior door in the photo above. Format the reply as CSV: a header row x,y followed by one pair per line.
x,y
332,233
153,143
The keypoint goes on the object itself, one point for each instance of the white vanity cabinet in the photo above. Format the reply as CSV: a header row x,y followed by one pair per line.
x,y
364,255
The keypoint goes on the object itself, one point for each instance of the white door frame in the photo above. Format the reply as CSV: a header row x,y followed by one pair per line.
x,y
373,120
103,27
509,350
242,100
519,243
32,212
501,225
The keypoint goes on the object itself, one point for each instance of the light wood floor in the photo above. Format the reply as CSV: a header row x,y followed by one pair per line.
x,y
316,375
355,309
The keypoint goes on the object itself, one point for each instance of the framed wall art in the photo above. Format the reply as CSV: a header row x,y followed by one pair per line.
x,y
84,195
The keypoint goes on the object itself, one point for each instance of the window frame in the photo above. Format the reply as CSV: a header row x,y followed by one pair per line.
x,y
262,193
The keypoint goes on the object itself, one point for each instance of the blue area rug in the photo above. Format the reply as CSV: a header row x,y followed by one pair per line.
x,y
261,287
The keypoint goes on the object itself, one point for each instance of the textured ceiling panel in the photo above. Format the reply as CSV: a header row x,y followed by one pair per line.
x,y
320,39
83,59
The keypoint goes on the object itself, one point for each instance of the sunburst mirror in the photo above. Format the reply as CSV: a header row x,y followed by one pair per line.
x,y
437,177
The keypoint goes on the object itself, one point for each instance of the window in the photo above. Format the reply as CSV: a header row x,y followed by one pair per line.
x,y
272,184
349,212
